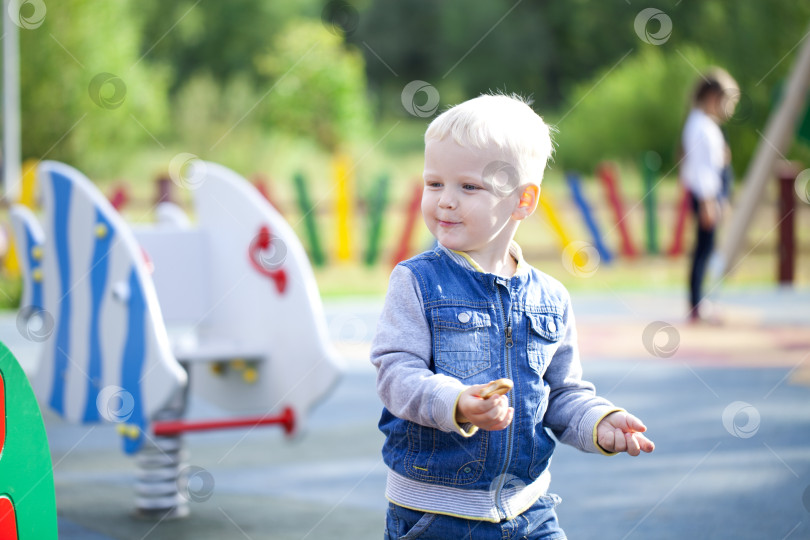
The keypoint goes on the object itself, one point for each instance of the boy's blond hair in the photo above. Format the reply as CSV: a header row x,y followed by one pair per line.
x,y
506,123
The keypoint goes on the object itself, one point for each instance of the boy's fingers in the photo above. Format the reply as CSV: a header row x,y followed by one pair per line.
x,y
490,414
644,443
501,408
479,406
623,433
495,414
634,424
504,423
475,390
633,447
489,422
486,405
619,443
606,441
510,414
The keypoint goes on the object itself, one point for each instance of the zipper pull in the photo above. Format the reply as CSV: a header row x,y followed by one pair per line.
x,y
509,341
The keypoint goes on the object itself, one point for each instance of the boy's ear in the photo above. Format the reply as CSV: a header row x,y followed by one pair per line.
x,y
528,202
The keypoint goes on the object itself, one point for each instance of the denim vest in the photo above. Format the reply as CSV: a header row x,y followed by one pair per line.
x,y
484,327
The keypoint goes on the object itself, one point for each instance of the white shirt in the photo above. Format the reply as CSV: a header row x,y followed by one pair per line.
x,y
704,155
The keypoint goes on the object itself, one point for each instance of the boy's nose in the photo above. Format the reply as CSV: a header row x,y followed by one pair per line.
x,y
446,200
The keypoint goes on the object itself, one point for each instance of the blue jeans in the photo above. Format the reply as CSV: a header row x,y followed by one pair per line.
x,y
539,522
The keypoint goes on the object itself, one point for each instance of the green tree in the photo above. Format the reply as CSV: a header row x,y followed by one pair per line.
x,y
87,95
636,107
545,49
533,48
638,101
214,38
318,86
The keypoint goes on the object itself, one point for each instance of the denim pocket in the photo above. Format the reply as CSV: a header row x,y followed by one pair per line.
x,y
443,458
409,523
541,519
542,444
545,331
461,340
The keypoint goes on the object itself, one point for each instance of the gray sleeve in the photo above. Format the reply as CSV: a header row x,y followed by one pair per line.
x,y
574,409
401,351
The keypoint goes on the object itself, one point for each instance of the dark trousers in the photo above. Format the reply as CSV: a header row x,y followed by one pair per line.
x,y
704,245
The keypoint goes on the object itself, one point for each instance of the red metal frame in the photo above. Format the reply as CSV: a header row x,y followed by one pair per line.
x,y
172,427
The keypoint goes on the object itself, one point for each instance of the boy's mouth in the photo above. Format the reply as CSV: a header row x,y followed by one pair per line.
x,y
443,223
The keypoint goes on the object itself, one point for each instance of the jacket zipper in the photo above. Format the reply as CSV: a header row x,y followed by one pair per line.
x,y
509,343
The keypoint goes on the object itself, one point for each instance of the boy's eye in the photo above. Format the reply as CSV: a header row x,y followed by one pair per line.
x,y
433,184
470,187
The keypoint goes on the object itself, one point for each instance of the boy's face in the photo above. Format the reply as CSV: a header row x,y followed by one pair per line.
x,y
470,197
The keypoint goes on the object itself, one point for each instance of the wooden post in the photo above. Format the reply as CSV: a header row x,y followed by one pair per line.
x,y
344,201
414,207
787,173
308,213
579,198
262,184
377,202
608,176
682,213
774,142
648,170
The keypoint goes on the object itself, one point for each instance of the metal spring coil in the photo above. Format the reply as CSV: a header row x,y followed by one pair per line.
x,y
157,487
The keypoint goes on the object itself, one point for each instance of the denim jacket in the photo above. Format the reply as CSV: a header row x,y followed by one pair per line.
x,y
447,325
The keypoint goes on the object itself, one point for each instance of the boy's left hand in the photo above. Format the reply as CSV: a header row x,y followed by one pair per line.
x,y
622,432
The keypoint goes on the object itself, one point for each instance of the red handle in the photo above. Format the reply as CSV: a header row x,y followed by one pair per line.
x,y
172,427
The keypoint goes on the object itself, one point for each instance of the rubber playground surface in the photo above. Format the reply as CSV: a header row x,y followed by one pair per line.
x,y
728,407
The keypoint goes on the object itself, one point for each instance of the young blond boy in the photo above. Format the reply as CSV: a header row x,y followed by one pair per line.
x,y
472,311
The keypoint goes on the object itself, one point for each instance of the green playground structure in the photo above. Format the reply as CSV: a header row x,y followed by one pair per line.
x,y
27,499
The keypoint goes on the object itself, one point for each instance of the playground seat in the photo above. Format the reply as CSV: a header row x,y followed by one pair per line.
x,y
88,281
210,284
127,315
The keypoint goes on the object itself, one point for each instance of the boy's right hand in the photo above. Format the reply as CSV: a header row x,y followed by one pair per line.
x,y
491,414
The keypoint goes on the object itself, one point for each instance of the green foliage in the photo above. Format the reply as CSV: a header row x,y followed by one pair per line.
x,y
209,115
318,88
86,94
758,43
558,52
621,113
215,38
532,48
220,79
10,292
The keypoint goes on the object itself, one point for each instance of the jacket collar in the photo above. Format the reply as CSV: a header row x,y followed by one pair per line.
x,y
464,260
